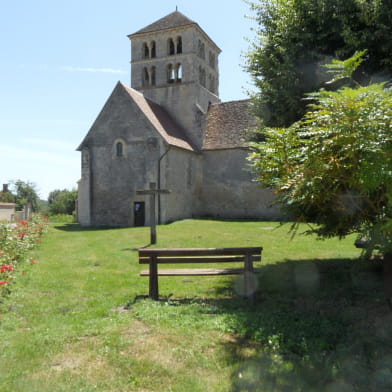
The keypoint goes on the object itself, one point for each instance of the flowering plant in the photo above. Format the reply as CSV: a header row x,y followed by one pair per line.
x,y
16,239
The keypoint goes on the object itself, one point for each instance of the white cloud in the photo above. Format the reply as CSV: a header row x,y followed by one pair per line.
x,y
92,70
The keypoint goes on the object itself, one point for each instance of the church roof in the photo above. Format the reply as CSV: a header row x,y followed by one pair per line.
x,y
158,117
227,124
174,20
164,124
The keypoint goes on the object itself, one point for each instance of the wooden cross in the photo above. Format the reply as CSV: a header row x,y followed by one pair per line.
x,y
152,192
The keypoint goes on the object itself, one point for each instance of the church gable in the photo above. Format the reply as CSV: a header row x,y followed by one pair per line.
x,y
118,117
128,114
162,122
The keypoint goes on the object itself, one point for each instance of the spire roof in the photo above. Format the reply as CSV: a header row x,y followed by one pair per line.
x,y
174,20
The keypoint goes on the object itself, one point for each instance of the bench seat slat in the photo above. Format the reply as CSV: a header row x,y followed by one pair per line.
x,y
208,259
197,271
198,252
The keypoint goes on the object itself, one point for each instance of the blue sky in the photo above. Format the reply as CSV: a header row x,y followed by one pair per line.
x,y
60,60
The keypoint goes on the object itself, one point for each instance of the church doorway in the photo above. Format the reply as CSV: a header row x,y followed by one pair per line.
x,y
139,213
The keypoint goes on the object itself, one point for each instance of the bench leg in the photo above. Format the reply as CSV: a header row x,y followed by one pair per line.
x,y
249,279
154,294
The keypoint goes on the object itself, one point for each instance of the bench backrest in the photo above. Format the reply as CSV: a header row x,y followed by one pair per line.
x,y
198,255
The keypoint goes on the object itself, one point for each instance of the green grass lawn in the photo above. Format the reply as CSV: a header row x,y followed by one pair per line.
x,y
78,320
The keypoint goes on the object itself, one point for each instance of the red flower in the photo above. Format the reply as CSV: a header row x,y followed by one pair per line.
x,y
24,223
3,282
21,235
6,267
32,261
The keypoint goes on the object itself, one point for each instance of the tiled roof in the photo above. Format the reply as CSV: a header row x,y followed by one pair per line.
x,y
171,132
173,20
227,124
7,204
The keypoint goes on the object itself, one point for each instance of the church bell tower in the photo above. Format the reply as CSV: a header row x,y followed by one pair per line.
x,y
175,64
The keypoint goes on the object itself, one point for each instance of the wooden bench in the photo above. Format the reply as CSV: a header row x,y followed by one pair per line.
x,y
153,257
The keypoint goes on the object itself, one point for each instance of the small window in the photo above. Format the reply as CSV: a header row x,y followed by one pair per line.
x,y
153,77
170,74
179,45
146,51
171,48
146,77
178,72
212,84
201,50
119,149
202,76
212,60
153,50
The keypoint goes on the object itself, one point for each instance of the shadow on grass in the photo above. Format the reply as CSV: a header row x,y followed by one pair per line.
x,y
75,227
315,325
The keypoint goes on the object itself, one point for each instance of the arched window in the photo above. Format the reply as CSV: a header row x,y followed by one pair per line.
x,y
212,60
119,149
201,50
178,72
211,80
202,76
170,74
179,45
146,77
153,49
146,51
170,47
153,77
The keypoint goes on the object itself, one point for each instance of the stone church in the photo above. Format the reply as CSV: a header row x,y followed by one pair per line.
x,y
170,128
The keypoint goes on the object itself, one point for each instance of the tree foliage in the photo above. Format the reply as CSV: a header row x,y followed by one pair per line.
x,y
25,192
62,201
334,166
295,38
6,197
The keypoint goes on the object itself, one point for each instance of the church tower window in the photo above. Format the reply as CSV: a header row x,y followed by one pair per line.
x,y
212,83
153,76
201,50
146,77
146,51
178,72
170,74
170,47
202,76
179,45
212,60
153,49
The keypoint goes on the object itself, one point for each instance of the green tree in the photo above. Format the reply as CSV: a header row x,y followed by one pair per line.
x,y
62,201
294,38
334,166
25,192
7,197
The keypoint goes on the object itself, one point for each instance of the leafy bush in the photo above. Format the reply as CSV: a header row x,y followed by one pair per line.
x,y
62,201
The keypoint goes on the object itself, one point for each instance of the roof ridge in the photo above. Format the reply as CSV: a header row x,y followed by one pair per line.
x,y
172,20
232,101
161,120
